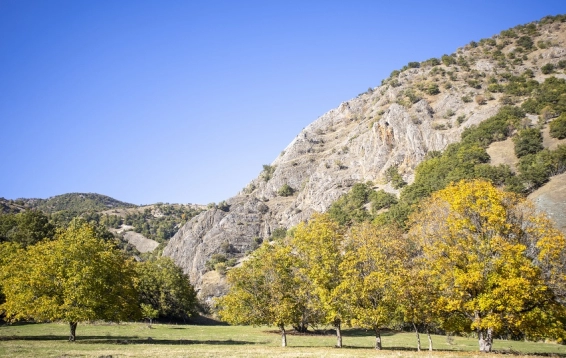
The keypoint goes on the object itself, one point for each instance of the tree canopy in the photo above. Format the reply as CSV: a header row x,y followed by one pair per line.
x,y
76,277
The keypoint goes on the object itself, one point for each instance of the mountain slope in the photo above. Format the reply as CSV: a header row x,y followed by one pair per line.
x,y
419,109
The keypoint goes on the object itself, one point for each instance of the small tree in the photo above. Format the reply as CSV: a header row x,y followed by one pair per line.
x,y
166,289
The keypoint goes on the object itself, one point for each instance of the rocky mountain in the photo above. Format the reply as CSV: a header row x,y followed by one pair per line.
x,y
419,109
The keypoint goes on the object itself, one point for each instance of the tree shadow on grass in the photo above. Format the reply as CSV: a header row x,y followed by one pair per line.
x,y
127,340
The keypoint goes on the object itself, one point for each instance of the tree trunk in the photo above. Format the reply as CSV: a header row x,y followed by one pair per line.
x,y
377,338
338,334
73,330
418,337
429,340
486,343
283,336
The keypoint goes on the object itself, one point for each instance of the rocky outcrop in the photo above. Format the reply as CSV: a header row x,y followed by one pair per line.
x,y
397,123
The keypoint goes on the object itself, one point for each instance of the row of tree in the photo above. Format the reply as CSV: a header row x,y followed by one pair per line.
x,y
474,259
79,275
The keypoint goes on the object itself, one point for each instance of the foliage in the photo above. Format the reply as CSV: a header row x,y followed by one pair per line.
x,y
263,291
159,222
558,127
278,233
535,169
476,248
75,278
528,141
547,69
350,207
370,269
381,200
285,190
267,172
25,228
392,175
550,94
77,203
318,245
526,42
165,288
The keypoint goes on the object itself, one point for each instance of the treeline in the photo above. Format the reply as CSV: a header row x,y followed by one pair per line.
x,y
472,258
78,274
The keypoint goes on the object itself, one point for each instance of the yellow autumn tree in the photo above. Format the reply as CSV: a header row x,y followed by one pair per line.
x,y
76,277
263,291
417,295
371,276
318,248
487,254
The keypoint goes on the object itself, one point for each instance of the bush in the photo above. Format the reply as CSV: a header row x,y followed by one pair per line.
x,y
547,69
448,60
381,200
268,171
433,89
528,141
525,42
558,127
392,175
285,190
278,233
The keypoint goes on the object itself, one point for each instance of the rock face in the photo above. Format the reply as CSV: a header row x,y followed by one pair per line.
x,y
140,242
355,142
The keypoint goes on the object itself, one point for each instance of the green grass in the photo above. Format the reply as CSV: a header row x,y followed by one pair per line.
x,y
162,340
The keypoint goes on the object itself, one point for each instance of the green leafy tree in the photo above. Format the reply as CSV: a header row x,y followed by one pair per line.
x,y
163,286
264,291
318,245
26,228
370,276
558,127
528,141
75,278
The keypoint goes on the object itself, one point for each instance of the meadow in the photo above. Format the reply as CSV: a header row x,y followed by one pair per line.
x,y
170,340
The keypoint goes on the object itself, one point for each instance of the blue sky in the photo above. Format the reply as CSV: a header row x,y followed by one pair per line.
x,y
183,101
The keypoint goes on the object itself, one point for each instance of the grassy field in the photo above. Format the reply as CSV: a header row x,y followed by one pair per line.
x,y
162,340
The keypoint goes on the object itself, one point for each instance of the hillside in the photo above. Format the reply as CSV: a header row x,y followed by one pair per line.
x,y
74,202
419,110
141,228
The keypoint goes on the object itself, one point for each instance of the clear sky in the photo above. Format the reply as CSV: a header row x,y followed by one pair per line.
x,y
183,101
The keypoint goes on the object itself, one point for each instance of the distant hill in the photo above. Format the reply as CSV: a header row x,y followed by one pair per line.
x,y
155,223
76,202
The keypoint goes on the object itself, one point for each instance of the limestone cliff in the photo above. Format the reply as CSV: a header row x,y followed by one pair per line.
x,y
420,109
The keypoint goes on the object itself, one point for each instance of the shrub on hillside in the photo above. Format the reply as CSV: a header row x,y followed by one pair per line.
x,y
528,141
558,127
285,190
547,69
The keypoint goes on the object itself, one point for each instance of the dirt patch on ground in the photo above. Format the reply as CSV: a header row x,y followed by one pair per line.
x,y
503,153
548,141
